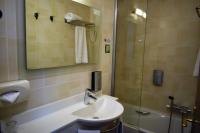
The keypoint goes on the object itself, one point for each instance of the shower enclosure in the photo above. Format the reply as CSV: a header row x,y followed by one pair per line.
x,y
151,35
130,43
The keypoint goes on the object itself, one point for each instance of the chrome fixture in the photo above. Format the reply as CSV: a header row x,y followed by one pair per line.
x,y
89,94
184,111
180,109
192,121
80,23
171,98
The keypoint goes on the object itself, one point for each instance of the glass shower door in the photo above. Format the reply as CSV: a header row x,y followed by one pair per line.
x,y
130,43
169,43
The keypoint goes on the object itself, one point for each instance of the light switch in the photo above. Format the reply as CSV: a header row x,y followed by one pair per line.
x,y
107,48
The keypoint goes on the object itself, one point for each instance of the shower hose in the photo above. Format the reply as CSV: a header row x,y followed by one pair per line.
x,y
171,98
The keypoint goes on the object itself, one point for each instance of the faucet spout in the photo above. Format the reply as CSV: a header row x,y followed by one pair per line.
x,y
89,94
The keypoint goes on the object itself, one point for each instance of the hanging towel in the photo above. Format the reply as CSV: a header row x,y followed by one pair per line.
x,y
81,45
88,131
197,65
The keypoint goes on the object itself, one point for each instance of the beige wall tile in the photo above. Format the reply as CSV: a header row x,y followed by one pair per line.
x,y
171,44
49,85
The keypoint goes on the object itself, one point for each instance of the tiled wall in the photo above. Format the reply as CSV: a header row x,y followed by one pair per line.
x,y
49,85
171,44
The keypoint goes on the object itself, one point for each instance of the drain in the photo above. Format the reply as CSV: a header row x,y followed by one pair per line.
x,y
95,117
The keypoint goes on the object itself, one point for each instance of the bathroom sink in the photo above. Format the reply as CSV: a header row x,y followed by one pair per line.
x,y
103,110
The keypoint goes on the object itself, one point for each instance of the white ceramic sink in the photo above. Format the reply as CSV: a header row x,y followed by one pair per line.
x,y
104,109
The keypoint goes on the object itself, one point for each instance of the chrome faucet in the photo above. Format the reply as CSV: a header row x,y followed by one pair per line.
x,y
89,94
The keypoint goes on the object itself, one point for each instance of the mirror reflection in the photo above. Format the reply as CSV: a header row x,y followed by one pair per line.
x,y
61,33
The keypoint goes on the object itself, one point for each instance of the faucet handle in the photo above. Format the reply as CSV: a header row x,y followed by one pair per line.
x,y
93,97
90,91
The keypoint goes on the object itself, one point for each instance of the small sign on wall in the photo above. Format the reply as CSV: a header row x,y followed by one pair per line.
x,y
107,45
107,48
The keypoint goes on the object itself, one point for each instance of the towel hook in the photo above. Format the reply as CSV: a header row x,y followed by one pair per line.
x,y
36,15
51,18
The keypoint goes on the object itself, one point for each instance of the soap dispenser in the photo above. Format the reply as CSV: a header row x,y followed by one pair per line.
x,y
96,81
158,77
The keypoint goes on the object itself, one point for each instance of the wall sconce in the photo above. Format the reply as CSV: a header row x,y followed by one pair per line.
x,y
140,13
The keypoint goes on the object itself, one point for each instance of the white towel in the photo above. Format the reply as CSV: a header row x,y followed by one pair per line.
x,y
88,131
71,16
197,65
10,97
81,45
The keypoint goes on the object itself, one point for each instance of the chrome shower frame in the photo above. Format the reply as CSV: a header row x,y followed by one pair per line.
x,y
114,48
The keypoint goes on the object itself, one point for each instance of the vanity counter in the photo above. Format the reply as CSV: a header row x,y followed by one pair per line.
x,y
51,117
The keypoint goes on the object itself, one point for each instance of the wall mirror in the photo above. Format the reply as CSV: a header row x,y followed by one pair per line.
x,y
61,33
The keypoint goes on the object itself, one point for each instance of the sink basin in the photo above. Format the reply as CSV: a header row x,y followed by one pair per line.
x,y
104,109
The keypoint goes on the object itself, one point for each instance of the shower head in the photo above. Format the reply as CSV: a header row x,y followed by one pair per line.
x,y
198,11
